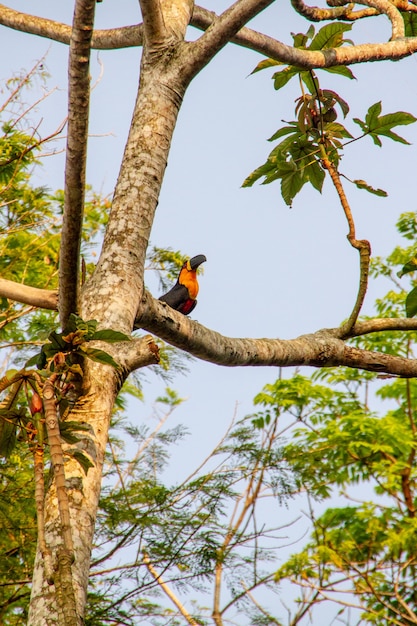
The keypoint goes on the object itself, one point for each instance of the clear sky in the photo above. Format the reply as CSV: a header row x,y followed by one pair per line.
x,y
271,271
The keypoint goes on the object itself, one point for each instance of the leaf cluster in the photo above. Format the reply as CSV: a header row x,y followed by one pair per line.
x,y
315,135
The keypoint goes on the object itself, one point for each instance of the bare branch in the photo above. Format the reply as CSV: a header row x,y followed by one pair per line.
x,y
76,156
343,10
362,245
321,349
42,298
317,14
124,37
378,325
393,14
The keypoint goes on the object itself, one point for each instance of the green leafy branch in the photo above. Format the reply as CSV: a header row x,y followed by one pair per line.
x,y
297,159
48,393
65,349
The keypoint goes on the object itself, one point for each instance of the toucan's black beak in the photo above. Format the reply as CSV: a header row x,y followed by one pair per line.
x,y
197,260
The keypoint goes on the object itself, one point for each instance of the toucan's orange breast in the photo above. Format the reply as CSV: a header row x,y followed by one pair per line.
x,y
188,278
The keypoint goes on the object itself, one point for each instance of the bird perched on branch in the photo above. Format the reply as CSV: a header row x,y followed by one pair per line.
x,y
182,297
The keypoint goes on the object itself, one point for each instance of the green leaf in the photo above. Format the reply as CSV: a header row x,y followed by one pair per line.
x,y
373,114
330,36
292,182
400,118
109,336
265,64
376,124
38,359
361,184
99,356
75,322
410,23
300,40
69,430
57,343
281,78
337,130
341,70
8,428
71,425
316,175
329,93
285,130
410,266
80,457
311,82
411,303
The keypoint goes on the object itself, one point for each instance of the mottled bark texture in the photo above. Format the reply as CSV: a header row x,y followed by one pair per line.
x,y
76,157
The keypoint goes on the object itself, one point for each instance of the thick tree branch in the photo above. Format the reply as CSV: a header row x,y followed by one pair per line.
x,y
42,298
155,32
221,32
309,59
76,157
128,36
123,37
136,355
321,349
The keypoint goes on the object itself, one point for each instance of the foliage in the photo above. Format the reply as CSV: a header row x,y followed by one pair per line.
x,y
315,135
18,537
212,530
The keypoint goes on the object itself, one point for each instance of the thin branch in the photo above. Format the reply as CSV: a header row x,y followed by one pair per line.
x,y
343,10
168,591
25,80
271,619
11,317
362,245
378,325
317,14
76,156
393,14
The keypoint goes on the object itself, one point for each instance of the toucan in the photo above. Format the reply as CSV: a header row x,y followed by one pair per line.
x,y
182,297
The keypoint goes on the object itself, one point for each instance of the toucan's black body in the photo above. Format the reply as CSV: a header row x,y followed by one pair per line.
x,y
182,297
